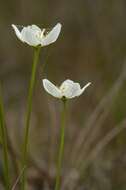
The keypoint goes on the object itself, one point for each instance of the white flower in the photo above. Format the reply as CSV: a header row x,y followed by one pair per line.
x,y
34,36
68,89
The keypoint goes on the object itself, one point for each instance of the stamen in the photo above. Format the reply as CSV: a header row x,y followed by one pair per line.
x,y
42,33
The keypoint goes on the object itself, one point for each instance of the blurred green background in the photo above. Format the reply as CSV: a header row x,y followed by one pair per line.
x,y
91,47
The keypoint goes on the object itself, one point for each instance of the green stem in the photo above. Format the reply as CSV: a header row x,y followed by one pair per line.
x,y
61,146
28,114
4,144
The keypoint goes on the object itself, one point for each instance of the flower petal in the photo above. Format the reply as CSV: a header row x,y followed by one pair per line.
x,y
83,89
30,35
52,35
51,88
18,33
70,89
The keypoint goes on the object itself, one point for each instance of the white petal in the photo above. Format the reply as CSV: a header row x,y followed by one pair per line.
x,y
70,89
35,28
52,35
30,35
18,33
83,89
51,88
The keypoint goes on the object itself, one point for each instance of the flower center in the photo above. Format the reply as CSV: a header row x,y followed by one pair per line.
x,y
63,89
42,34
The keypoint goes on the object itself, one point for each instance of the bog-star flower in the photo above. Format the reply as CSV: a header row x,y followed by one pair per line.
x,y
68,89
34,36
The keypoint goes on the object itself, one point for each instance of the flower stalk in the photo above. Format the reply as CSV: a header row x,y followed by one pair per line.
x,y
61,146
4,144
28,114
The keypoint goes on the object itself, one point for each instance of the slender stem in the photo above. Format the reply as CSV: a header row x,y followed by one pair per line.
x,y
4,144
28,114
61,146
17,180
